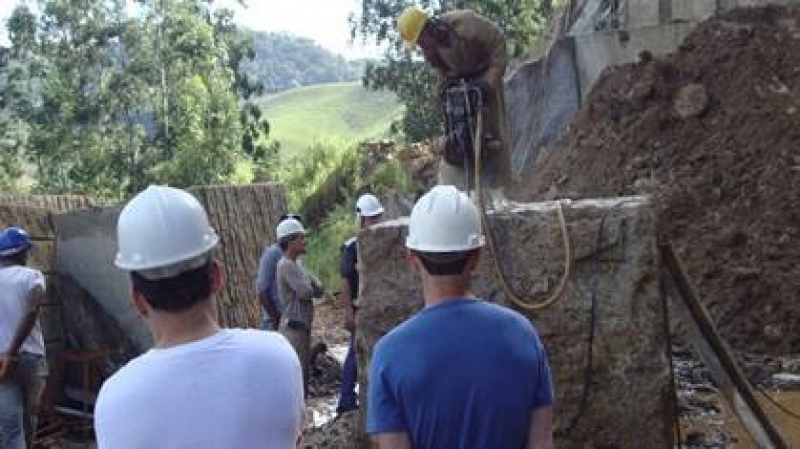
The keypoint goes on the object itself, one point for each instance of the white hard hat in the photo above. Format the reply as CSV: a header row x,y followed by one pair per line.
x,y
368,205
444,220
288,228
163,228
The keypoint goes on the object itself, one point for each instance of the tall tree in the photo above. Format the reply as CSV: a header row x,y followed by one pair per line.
x,y
408,76
115,100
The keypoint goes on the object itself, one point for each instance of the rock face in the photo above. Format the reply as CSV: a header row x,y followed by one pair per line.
x,y
612,298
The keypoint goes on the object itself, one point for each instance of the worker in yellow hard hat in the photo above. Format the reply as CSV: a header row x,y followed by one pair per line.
x,y
463,46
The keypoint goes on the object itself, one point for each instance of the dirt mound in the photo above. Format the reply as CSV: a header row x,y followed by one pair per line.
x,y
713,131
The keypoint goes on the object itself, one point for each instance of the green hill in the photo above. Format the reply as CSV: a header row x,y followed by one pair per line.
x,y
329,112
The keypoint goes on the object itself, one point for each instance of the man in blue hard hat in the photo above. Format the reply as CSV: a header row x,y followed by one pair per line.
x,y
23,368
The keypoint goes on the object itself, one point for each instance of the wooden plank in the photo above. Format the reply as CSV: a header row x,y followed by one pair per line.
x,y
715,354
55,203
244,217
35,220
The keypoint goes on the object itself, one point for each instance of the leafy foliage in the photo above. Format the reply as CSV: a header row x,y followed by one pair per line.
x,y
111,101
324,187
409,77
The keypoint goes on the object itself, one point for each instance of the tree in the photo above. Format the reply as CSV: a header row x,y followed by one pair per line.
x,y
112,101
409,77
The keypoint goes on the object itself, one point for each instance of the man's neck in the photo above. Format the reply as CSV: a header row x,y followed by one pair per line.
x,y
172,329
440,292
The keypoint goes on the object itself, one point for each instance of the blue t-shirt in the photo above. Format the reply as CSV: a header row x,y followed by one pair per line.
x,y
267,266
461,374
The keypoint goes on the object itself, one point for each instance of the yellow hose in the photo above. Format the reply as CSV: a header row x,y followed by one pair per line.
x,y
515,298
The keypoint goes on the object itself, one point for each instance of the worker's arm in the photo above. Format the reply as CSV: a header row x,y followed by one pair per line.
x,y
540,433
298,280
269,305
346,297
35,300
348,273
493,76
265,283
393,440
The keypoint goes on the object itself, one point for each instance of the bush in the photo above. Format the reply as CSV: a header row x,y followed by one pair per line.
x,y
323,255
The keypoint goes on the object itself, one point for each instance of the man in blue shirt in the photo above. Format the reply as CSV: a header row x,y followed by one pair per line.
x,y
266,287
436,382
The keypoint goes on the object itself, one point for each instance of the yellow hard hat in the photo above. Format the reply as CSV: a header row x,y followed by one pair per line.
x,y
410,24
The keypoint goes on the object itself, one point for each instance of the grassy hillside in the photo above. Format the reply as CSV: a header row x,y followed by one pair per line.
x,y
330,112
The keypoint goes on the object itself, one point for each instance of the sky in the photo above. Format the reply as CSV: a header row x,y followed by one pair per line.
x,y
324,21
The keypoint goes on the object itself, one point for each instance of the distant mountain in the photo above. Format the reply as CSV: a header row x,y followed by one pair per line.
x,y
283,62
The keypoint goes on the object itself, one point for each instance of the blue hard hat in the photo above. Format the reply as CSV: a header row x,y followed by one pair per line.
x,y
14,240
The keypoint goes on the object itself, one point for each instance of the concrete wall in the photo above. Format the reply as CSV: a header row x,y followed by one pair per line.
x,y
613,284
87,246
589,16
596,52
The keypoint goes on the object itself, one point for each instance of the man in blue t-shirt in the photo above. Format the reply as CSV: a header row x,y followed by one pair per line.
x,y
434,382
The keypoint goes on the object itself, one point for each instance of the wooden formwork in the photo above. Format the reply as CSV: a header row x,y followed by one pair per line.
x,y
245,217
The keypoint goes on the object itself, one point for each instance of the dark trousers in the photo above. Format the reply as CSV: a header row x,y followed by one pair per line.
x,y
347,391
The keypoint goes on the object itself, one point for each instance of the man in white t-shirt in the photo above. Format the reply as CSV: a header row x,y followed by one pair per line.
x,y
200,386
23,369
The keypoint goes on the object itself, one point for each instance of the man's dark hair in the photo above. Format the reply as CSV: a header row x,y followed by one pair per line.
x,y
445,264
20,258
177,293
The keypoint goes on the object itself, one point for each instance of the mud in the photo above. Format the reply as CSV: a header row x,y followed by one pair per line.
x,y
706,419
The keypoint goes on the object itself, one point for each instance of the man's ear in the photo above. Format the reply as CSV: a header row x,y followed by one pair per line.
x,y
217,278
472,261
412,261
140,303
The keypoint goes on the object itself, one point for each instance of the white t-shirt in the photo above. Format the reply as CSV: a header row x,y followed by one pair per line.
x,y
236,389
16,283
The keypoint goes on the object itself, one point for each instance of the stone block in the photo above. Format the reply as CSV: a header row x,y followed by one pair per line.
x,y
612,295
542,97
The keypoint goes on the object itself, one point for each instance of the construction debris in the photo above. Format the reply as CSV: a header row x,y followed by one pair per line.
x,y
713,132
